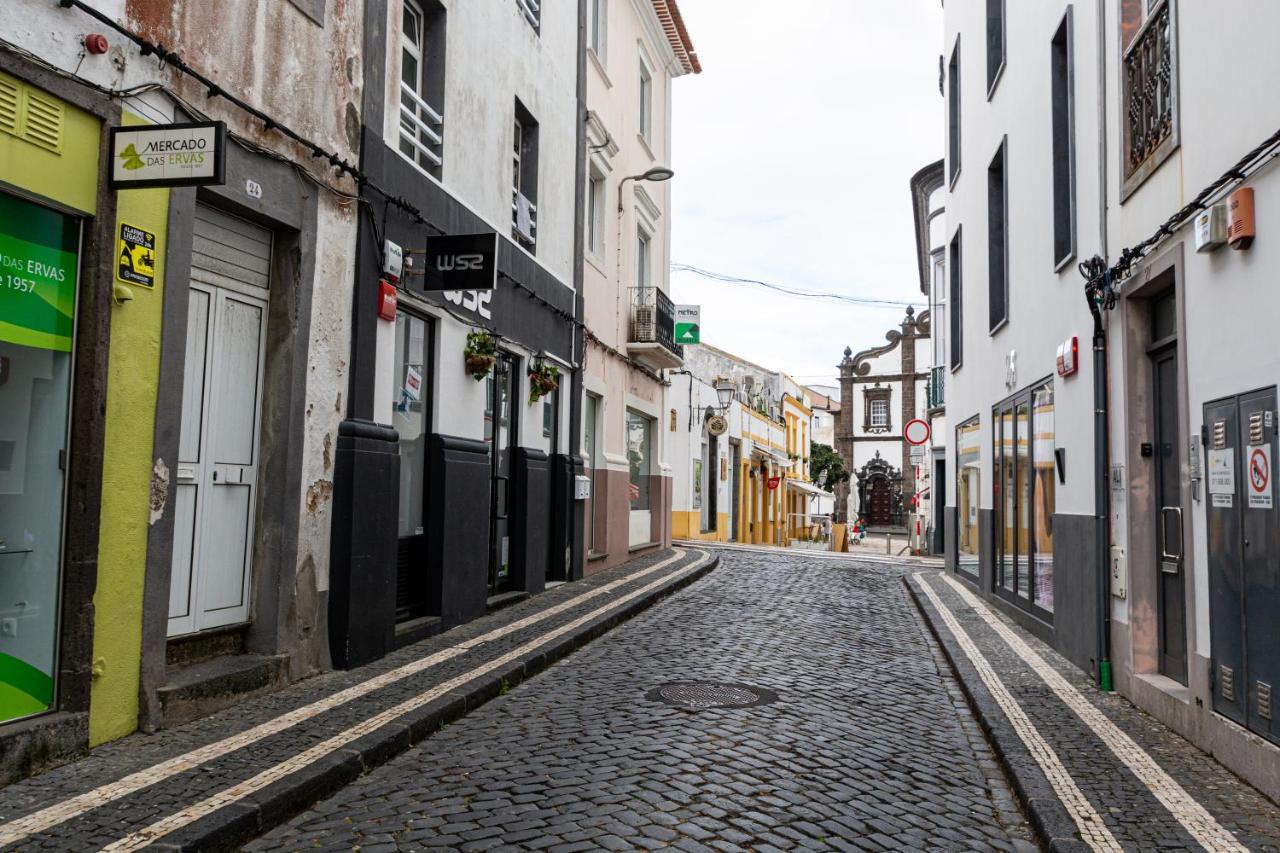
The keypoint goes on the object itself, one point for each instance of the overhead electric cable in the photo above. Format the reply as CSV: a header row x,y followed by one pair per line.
x,y
792,291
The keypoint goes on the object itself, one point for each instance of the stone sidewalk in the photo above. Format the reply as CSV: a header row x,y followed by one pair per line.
x,y
219,781
1092,771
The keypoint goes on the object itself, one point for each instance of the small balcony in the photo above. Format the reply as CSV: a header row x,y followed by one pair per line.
x,y
421,131
937,388
651,337
524,220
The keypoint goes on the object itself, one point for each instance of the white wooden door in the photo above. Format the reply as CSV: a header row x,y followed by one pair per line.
x,y
217,472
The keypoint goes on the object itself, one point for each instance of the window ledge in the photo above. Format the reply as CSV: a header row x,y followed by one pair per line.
x,y
998,326
598,62
995,81
596,261
644,143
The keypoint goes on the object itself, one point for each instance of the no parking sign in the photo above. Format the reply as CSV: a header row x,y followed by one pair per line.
x,y
1260,477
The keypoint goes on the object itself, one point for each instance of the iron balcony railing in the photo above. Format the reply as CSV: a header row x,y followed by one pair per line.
x,y
532,11
526,231
1149,84
937,387
653,318
421,129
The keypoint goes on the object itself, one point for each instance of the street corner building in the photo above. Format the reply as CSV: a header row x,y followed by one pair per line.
x,y
740,438
464,322
173,338
1112,477
634,50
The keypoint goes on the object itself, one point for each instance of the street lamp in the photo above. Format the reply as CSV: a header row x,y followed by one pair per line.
x,y
657,174
725,390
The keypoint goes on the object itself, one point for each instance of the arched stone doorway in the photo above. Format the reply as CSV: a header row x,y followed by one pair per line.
x,y
880,494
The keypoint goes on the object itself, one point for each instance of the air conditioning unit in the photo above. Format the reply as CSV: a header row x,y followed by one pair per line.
x,y
645,324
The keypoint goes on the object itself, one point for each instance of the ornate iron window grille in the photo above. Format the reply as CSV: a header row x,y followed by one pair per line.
x,y
1149,96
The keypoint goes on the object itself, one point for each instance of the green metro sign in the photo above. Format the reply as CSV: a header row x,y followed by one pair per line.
x,y
688,324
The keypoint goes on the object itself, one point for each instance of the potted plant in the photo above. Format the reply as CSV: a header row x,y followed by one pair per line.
x,y
480,354
543,379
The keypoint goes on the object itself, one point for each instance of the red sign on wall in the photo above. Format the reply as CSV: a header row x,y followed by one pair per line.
x,y
774,482
386,300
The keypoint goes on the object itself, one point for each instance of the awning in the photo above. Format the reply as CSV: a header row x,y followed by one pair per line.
x,y
808,488
763,452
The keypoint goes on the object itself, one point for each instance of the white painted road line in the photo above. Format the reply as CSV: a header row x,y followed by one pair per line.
x,y
21,828
150,834
1093,830
1202,826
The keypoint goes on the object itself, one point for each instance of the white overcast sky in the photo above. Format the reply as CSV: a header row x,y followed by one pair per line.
x,y
793,151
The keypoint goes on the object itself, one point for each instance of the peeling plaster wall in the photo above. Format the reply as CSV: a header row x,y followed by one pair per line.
x,y
326,381
278,60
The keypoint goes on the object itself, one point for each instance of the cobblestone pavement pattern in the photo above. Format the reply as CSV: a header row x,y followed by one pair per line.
x,y
868,746
1128,806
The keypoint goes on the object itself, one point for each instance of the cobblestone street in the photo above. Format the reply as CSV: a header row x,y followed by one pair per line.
x,y
868,745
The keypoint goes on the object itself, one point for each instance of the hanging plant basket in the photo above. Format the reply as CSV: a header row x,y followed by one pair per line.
x,y
480,354
543,379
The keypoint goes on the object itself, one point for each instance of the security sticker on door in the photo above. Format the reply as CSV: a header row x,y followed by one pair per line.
x,y
1260,476
1222,472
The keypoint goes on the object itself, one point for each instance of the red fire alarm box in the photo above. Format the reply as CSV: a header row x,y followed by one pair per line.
x,y
1069,356
386,300
1240,227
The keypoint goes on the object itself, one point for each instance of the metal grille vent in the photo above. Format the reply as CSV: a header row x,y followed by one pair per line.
x,y
1219,435
704,695
1255,428
1227,682
8,107
44,122
1264,700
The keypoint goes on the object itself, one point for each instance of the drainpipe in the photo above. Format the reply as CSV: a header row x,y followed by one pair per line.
x,y
1101,430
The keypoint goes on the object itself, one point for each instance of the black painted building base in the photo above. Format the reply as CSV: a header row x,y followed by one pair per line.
x,y
1073,631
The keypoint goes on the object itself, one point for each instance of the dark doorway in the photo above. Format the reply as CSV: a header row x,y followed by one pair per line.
x,y
713,482
1166,442
500,434
411,417
939,503
735,469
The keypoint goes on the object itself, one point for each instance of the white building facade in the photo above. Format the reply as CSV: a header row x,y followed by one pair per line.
x,y
634,50
1020,213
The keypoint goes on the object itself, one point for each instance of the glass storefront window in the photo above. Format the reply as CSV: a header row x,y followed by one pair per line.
x,y
591,442
39,260
968,488
1026,468
409,397
1043,500
640,457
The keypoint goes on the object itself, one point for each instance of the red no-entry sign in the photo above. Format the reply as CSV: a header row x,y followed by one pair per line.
x,y
916,432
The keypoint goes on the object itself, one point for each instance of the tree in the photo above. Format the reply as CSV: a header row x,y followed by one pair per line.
x,y
823,460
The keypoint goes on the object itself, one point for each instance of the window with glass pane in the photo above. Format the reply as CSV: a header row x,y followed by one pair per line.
x,y
595,215
968,490
642,258
408,416
410,75
38,309
1043,499
1026,468
596,27
646,101
879,413
639,457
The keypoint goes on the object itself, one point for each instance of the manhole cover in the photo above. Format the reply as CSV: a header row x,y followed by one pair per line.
x,y
702,695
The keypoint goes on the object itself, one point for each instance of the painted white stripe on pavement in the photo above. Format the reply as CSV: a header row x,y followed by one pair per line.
x,y
1202,826
20,828
150,834
1093,830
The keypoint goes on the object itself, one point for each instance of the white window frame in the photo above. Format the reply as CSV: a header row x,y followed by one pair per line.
x,y
879,414
646,101
596,203
597,28
644,257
